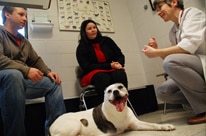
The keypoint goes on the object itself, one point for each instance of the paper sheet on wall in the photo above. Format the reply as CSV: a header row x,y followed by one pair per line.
x,y
73,12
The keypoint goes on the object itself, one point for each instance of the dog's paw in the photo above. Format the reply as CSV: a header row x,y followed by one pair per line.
x,y
167,127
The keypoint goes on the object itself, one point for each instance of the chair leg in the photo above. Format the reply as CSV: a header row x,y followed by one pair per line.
x,y
85,93
132,107
165,108
83,104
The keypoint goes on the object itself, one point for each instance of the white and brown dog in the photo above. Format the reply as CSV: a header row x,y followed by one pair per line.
x,y
110,118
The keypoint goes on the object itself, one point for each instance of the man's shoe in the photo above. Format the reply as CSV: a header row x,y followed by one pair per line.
x,y
200,118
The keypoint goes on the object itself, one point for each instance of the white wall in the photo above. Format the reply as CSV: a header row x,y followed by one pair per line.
x,y
147,24
58,48
133,27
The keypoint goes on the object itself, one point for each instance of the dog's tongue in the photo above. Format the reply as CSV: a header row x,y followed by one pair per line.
x,y
119,103
119,106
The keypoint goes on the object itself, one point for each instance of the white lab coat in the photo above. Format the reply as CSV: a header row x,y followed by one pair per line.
x,y
190,35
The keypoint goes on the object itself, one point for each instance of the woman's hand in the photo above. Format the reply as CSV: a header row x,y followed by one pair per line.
x,y
153,43
149,51
116,65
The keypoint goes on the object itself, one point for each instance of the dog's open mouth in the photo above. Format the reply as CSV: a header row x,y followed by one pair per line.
x,y
119,102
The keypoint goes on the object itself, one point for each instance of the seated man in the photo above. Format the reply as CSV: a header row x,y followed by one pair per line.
x,y
23,74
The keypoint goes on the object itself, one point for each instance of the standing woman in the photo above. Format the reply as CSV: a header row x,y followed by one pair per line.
x,y
100,58
185,60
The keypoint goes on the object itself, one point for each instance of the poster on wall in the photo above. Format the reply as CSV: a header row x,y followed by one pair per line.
x,y
72,12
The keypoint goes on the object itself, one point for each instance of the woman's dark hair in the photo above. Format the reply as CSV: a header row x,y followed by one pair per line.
x,y
179,4
83,37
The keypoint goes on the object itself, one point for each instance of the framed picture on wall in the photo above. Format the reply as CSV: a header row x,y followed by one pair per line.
x,y
151,3
73,12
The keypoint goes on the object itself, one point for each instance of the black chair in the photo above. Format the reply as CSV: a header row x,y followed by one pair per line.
x,y
85,91
89,91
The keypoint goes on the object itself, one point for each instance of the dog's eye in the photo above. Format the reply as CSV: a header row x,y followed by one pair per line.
x,y
109,91
120,87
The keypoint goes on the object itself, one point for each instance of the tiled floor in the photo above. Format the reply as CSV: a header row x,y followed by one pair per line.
x,y
176,117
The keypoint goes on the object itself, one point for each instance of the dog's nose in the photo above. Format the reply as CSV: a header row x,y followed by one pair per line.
x,y
116,93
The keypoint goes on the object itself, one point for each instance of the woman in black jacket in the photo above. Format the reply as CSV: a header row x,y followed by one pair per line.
x,y
100,58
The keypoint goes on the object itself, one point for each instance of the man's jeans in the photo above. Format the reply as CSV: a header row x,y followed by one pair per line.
x,y
14,89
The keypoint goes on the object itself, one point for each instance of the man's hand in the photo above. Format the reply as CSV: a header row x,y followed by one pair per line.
x,y
34,75
54,76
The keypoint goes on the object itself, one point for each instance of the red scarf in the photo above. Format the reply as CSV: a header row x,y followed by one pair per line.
x,y
99,53
86,79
